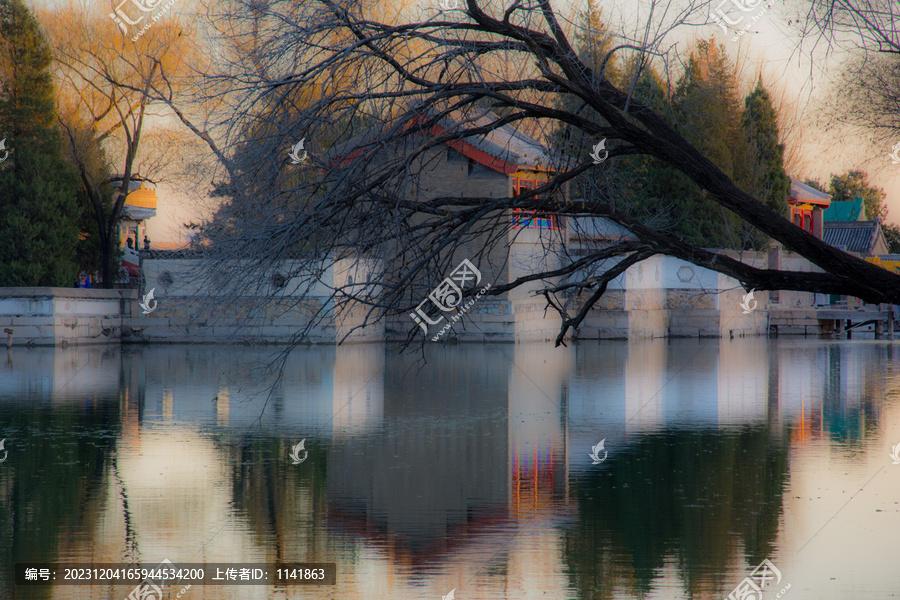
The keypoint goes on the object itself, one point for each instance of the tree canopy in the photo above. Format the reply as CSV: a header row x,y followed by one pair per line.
x,y
38,207
109,89
855,184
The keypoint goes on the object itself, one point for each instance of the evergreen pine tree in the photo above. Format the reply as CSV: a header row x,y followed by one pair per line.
x,y
764,176
38,205
708,115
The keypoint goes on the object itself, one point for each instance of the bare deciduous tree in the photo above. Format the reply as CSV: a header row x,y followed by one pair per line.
x,y
105,100
376,94
864,35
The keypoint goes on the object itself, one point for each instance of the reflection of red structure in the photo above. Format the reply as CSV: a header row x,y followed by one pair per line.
x,y
809,425
536,484
483,521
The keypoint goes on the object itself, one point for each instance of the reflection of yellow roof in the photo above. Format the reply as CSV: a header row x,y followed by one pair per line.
x,y
142,198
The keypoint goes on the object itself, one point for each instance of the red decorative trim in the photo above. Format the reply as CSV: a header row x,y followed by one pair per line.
x,y
479,156
464,148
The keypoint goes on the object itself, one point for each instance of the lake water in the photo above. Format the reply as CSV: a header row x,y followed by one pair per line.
x,y
467,472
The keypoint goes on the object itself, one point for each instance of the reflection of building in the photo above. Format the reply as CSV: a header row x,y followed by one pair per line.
x,y
358,388
454,477
418,487
538,450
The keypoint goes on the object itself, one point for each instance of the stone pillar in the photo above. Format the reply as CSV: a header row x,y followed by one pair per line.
x,y
818,224
774,263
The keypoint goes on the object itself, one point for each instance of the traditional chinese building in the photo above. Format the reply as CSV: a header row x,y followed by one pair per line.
x,y
140,205
863,238
807,207
500,163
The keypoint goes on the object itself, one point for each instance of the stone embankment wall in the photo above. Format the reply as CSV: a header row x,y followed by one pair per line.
x,y
188,312
51,315
660,297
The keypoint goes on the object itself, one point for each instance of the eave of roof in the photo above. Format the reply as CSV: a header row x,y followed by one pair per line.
x,y
480,156
504,149
855,236
801,192
506,145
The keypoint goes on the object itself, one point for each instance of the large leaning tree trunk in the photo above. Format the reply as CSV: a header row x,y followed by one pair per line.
x,y
327,72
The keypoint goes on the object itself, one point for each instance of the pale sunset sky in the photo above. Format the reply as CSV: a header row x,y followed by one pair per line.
x,y
772,49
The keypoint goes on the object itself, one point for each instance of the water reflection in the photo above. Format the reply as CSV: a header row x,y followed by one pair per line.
x,y
470,472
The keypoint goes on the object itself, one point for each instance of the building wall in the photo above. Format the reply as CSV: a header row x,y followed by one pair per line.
x,y
441,173
668,297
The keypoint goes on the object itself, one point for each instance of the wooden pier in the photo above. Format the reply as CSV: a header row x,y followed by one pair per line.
x,y
834,321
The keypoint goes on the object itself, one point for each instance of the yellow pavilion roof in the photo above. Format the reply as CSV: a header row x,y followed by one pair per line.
x,y
142,198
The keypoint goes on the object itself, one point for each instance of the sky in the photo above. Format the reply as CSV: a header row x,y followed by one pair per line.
x,y
771,47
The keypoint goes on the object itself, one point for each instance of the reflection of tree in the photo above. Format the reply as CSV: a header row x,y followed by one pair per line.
x,y
52,482
282,501
843,421
692,498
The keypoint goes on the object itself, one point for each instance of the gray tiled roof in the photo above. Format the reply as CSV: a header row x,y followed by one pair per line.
x,y
805,193
506,142
854,236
